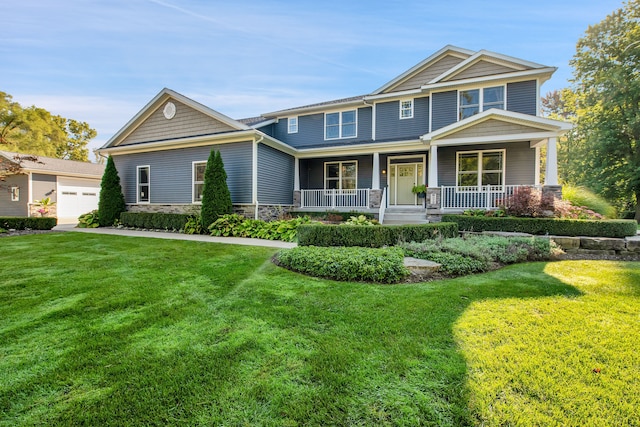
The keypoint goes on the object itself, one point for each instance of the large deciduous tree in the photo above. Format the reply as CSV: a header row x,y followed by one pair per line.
x,y
216,198
36,131
606,80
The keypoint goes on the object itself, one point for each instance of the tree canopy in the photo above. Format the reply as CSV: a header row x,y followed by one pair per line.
x,y
34,130
606,83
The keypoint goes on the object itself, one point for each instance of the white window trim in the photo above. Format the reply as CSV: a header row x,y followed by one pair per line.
x,y
138,184
340,112
412,108
339,162
481,97
193,181
15,194
290,127
479,171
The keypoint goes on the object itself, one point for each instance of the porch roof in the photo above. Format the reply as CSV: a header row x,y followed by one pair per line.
x,y
497,125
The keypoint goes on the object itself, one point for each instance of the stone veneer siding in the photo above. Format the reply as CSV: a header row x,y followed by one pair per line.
x,y
265,212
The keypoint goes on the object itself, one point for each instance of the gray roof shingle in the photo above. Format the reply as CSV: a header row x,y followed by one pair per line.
x,y
59,166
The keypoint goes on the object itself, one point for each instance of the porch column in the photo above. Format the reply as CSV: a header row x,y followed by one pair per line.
x,y
296,174
551,173
375,178
433,167
536,174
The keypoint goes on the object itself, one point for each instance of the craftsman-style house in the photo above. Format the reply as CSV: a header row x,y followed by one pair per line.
x,y
465,124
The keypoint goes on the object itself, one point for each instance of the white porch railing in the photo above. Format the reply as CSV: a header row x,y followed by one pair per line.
x,y
474,197
356,198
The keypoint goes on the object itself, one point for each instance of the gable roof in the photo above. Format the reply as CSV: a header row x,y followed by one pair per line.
x,y
448,50
450,66
53,166
153,106
508,63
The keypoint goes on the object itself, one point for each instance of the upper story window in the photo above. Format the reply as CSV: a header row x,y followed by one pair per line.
x,y
143,184
340,125
474,101
292,125
406,109
198,181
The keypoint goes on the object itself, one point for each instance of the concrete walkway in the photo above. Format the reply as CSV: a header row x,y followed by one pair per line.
x,y
177,236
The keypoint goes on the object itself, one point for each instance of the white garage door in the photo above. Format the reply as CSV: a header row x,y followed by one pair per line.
x,y
75,197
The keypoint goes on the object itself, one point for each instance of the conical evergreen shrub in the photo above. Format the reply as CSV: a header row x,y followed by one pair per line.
x,y
111,203
216,198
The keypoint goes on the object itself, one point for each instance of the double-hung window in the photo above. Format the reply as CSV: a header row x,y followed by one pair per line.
x,y
292,125
340,125
341,175
198,181
143,184
474,101
476,168
406,109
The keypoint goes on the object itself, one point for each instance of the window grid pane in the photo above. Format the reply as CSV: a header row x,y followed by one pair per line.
x,y
341,175
406,109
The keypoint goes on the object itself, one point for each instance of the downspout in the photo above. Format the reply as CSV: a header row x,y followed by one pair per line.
x,y
254,178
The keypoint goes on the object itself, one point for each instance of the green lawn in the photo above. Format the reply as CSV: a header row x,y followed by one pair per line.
x,y
105,330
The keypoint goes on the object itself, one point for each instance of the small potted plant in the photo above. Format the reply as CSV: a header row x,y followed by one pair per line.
x,y
420,190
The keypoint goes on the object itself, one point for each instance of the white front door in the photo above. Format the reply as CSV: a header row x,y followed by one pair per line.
x,y
403,177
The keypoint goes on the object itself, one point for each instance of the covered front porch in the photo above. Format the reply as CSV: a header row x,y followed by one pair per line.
x,y
473,164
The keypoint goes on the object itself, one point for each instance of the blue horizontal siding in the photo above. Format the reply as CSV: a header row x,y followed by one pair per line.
x,y
445,109
389,126
275,176
171,172
522,97
311,131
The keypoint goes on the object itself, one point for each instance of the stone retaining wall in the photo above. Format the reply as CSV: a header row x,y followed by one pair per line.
x,y
629,246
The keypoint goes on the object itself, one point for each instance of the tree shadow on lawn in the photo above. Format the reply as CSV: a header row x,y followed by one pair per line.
x,y
375,354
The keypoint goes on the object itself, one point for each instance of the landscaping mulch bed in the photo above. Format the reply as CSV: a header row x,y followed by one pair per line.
x,y
26,232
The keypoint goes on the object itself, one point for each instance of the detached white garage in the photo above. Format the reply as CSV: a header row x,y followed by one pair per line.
x,y
73,186
76,197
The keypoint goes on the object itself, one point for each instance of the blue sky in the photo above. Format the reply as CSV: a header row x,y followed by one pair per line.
x,y
102,61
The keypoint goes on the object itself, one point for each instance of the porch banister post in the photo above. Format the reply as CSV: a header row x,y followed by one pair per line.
x,y
433,167
296,175
551,174
375,179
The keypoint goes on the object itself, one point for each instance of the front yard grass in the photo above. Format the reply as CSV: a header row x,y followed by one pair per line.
x,y
108,330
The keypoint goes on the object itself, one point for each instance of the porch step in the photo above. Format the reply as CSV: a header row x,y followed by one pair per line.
x,y
412,217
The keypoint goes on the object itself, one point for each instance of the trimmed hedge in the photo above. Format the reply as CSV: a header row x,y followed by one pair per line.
x,y
372,237
542,226
384,265
31,223
154,221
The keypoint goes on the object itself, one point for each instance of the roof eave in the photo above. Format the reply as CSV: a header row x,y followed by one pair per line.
x,y
161,97
314,108
543,73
